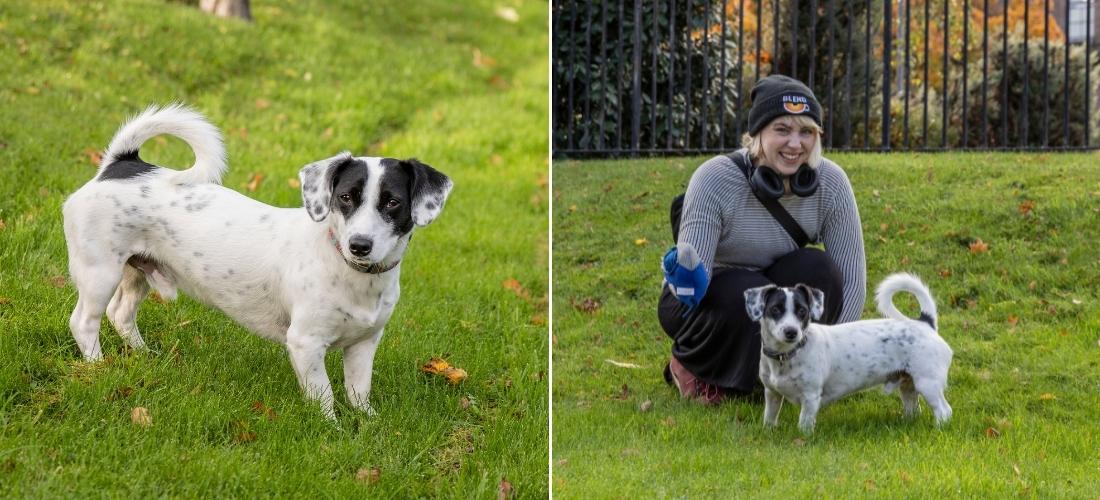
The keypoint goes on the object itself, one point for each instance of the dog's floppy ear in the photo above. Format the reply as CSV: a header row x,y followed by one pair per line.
x,y
317,184
428,189
817,300
755,299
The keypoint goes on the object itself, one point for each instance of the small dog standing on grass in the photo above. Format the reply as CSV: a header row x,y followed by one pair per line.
x,y
314,279
813,365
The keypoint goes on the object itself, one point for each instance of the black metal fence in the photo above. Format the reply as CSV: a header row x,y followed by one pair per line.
x,y
635,77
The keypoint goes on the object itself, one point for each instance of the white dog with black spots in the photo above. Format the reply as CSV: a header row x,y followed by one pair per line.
x,y
313,279
812,365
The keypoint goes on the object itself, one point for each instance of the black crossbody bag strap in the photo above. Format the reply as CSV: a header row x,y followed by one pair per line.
x,y
778,212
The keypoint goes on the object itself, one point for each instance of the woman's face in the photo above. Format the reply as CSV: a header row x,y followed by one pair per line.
x,y
787,146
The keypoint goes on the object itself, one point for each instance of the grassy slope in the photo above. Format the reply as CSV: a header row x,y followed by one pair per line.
x,y
301,83
1023,320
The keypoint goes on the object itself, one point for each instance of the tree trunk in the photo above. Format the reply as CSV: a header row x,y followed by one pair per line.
x,y
227,8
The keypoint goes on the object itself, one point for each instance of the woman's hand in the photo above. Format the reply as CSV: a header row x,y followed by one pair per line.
x,y
686,278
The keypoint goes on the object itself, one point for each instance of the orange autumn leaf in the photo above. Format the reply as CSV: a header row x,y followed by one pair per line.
x,y
516,288
254,182
1013,319
1025,207
435,366
979,246
440,366
93,155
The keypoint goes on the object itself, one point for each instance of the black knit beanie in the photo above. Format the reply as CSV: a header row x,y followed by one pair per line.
x,y
779,95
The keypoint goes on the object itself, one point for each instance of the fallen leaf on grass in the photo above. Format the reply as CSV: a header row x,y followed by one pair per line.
x,y
505,491
5,300
1025,207
516,288
262,103
645,406
294,183
641,242
440,366
538,319
57,281
120,393
1046,396
992,433
2,224
978,246
799,442
1013,319
94,156
507,13
572,208
368,476
620,364
140,416
254,182
483,61
623,395
262,409
588,304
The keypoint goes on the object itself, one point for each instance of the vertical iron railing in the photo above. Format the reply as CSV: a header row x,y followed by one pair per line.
x,y
640,77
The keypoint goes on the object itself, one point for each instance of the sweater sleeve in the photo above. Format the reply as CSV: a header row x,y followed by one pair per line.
x,y
842,234
701,218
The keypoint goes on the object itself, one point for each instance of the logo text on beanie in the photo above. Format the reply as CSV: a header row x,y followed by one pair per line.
x,y
795,104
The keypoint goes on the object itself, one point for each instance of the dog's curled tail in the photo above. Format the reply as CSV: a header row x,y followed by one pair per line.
x,y
180,121
898,282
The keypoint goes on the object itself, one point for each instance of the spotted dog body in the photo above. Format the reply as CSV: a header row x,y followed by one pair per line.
x,y
813,365
312,279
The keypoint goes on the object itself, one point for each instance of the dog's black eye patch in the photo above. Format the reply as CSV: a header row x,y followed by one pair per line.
x,y
775,303
126,166
395,200
348,180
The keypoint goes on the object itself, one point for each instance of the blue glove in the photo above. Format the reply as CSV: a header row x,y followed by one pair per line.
x,y
685,275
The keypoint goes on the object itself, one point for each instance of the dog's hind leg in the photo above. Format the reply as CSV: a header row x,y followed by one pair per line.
x,y
909,398
95,284
122,310
932,390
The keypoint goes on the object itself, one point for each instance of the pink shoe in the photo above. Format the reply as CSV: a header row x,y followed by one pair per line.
x,y
693,388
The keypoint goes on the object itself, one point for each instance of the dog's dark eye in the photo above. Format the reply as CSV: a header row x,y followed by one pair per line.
x,y
393,203
801,312
346,198
774,311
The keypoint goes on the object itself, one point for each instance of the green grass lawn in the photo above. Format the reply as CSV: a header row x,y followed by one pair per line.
x,y
459,85
1023,318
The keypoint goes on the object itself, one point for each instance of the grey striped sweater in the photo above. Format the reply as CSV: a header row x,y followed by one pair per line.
x,y
729,227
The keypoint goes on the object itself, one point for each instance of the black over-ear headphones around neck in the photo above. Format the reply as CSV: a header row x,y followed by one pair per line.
x,y
769,183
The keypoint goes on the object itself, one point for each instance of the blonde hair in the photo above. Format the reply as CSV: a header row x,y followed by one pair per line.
x,y
756,146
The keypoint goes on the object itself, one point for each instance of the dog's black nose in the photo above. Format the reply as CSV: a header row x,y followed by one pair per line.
x,y
790,333
360,246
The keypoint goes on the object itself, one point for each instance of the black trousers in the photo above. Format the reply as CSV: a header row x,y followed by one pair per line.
x,y
716,341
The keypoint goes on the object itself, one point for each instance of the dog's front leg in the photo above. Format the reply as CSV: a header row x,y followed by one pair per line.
x,y
358,367
773,402
307,355
808,416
